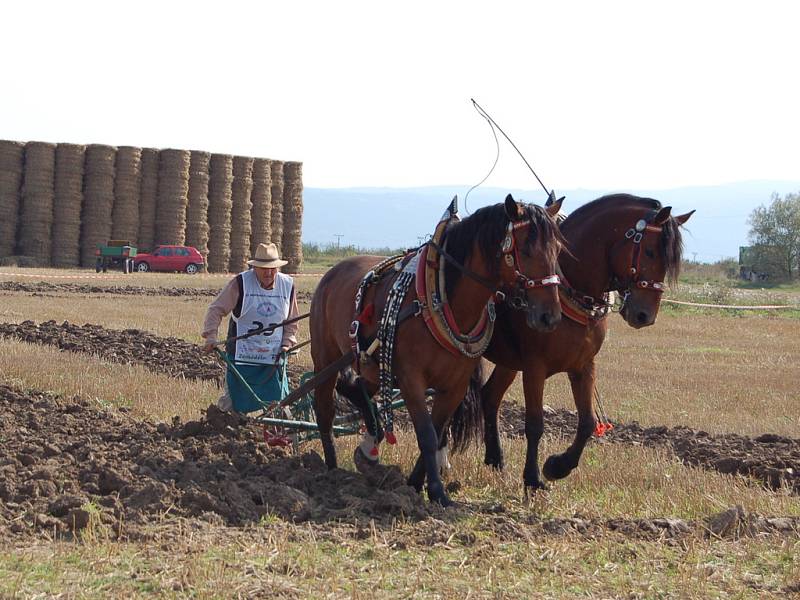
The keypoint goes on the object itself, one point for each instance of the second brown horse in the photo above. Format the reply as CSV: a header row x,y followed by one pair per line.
x,y
619,242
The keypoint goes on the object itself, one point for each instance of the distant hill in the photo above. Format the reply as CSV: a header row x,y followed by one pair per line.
x,y
400,217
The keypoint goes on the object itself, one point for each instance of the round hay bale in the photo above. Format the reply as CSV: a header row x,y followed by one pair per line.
x,y
276,213
219,212
36,207
197,207
261,198
148,199
173,196
293,215
68,186
241,189
98,199
12,164
127,189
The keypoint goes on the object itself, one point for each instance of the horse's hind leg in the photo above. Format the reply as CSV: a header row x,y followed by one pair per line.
x,y
559,466
326,411
491,397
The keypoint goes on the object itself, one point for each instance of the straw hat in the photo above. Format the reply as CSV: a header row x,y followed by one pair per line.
x,y
267,257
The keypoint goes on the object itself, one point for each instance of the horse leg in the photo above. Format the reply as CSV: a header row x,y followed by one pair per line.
x,y
359,394
326,411
439,419
559,466
491,397
533,385
428,442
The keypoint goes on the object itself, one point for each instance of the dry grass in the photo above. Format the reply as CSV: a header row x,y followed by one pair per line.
x,y
145,393
721,374
283,561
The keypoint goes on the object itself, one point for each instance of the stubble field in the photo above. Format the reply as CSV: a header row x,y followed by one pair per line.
x,y
636,519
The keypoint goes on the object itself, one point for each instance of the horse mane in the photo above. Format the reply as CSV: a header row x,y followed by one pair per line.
x,y
671,239
485,229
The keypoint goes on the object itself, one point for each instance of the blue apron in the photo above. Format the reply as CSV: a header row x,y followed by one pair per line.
x,y
267,381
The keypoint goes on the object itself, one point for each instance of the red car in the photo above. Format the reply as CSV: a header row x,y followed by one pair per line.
x,y
170,258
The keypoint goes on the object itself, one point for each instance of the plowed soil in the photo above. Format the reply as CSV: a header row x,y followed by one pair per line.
x,y
769,459
67,466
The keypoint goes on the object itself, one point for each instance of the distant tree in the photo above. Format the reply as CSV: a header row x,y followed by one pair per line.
x,y
775,229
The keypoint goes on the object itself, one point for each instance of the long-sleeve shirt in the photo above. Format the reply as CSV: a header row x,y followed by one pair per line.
x,y
228,299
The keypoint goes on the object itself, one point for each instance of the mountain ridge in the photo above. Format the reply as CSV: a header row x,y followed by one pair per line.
x,y
380,217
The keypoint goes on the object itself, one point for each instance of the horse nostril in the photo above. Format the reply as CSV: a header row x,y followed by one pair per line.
x,y
547,319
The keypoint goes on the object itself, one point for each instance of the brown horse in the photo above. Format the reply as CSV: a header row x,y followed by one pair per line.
x,y
479,248
620,243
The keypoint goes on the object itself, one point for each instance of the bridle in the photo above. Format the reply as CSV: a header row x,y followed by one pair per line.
x,y
510,253
635,235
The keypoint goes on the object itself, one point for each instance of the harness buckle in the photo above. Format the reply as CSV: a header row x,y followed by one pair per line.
x,y
500,296
490,308
353,333
630,233
637,238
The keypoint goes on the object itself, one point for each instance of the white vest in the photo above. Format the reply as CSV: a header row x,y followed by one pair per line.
x,y
262,307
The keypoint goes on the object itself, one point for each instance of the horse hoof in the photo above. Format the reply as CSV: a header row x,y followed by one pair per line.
x,y
362,463
442,500
555,467
530,489
494,462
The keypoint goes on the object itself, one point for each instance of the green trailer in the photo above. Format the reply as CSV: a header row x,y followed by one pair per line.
x,y
115,254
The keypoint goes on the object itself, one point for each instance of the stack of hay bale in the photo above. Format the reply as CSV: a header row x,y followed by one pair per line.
x,y
98,200
241,189
36,208
276,212
127,185
173,196
12,163
68,186
219,212
261,199
197,208
292,215
148,199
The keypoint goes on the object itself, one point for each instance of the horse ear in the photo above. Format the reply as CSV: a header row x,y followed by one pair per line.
x,y
513,210
555,207
662,216
681,219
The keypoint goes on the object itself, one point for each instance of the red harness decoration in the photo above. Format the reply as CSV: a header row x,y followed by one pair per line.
x,y
441,323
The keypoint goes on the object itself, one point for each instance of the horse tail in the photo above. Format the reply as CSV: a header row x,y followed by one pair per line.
x,y
466,425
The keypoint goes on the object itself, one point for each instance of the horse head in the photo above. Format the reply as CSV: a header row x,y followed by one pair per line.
x,y
529,260
649,253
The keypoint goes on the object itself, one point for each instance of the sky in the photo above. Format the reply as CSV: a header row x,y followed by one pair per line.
x,y
603,95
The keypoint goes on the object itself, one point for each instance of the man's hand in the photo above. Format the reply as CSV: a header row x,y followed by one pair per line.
x,y
209,346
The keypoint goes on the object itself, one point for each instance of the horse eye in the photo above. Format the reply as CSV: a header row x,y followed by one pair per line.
x,y
649,253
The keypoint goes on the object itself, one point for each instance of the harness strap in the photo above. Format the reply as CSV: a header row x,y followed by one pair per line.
x,y
469,273
387,331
